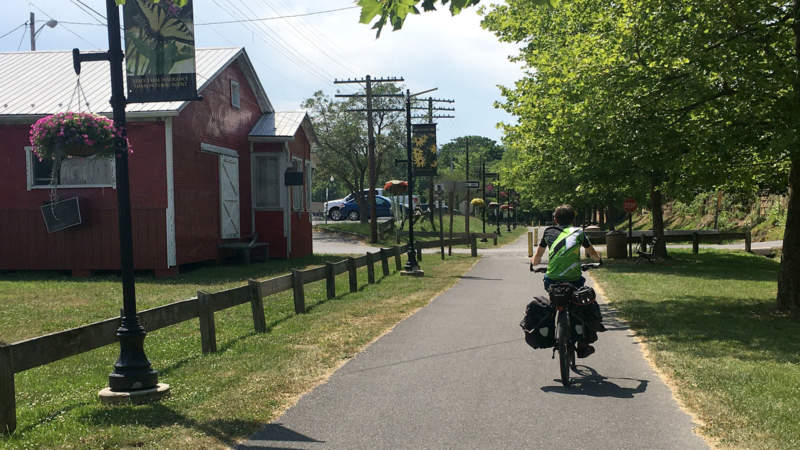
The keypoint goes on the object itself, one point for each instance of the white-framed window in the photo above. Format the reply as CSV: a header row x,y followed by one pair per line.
x,y
90,172
266,181
235,96
297,191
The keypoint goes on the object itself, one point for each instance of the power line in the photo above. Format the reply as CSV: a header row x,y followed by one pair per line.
x,y
273,42
312,42
15,29
90,9
30,2
324,39
84,10
22,38
277,17
298,53
80,23
297,58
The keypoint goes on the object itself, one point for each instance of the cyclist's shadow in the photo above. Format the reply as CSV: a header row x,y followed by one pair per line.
x,y
591,383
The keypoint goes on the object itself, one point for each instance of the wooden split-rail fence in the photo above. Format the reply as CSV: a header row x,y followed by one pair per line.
x,y
694,236
23,355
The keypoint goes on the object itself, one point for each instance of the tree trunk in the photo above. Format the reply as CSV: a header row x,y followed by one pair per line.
x,y
658,223
788,280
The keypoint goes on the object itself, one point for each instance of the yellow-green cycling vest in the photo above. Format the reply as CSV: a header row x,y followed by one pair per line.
x,y
565,255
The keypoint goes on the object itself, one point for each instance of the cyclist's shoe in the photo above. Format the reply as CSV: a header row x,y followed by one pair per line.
x,y
602,328
583,352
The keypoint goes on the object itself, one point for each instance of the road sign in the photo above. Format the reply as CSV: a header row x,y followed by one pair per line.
x,y
630,204
472,184
491,174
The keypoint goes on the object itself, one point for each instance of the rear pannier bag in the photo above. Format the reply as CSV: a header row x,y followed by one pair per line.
x,y
586,309
539,324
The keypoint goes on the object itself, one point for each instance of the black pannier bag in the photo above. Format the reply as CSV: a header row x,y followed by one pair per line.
x,y
539,324
586,313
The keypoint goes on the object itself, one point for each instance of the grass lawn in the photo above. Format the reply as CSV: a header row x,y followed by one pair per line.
x,y
475,226
710,324
216,399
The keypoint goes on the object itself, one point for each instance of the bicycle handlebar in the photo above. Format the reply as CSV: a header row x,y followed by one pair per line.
x,y
584,267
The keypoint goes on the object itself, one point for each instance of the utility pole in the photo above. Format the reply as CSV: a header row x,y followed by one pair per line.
x,y
371,175
33,32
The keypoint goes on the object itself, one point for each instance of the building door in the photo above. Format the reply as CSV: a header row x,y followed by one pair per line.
x,y
229,196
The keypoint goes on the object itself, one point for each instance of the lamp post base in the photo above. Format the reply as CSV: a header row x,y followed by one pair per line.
x,y
137,397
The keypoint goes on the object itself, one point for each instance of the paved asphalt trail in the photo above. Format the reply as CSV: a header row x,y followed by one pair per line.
x,y
458,374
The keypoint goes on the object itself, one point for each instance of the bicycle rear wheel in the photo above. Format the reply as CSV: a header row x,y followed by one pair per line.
x,y
562,341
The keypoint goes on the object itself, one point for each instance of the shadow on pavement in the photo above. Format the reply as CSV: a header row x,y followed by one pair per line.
x,y
610,319
593,384
273,433
344,371
467,277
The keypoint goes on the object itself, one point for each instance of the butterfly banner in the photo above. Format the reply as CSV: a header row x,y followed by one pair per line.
x,y
159,50
423,150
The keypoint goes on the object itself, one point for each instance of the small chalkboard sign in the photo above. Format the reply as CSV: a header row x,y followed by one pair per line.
x,y
61,215
293,178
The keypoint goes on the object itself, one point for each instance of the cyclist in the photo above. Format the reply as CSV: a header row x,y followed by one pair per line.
x,y
564,263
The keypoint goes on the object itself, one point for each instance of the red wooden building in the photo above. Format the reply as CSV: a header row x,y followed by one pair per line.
x,y
201,173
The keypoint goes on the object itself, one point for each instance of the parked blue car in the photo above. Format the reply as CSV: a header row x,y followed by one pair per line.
x,y
383,208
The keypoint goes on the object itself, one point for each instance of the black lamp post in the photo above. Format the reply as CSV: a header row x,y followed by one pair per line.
x,y
483,194
132,370
497,211
508,210
412,266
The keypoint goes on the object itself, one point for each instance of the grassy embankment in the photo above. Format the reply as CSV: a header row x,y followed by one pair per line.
x,y
216,399
765,225
710,325
475,225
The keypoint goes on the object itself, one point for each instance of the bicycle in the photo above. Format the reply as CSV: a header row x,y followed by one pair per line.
x,y
563,300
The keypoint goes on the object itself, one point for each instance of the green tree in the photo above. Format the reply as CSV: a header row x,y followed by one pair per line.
x,y
453,158
342,136
656,99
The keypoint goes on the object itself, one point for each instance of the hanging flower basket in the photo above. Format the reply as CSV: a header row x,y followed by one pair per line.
x,y
396,187
503,194
493,204
503,207
73,134
477,202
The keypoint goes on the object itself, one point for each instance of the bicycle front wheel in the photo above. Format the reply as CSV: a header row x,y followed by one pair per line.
x,y
562,341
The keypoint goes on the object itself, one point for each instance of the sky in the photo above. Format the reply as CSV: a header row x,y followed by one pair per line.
x,y
294,57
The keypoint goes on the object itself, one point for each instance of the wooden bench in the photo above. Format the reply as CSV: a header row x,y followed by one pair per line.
x,y
246,248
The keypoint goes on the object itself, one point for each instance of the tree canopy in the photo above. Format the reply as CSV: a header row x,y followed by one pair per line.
x,y
652,99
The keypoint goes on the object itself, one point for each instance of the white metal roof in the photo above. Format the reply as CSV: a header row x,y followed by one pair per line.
x,y
34,84
280,124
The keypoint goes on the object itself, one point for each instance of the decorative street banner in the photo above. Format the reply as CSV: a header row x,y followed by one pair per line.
x,y
423,150
159,51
